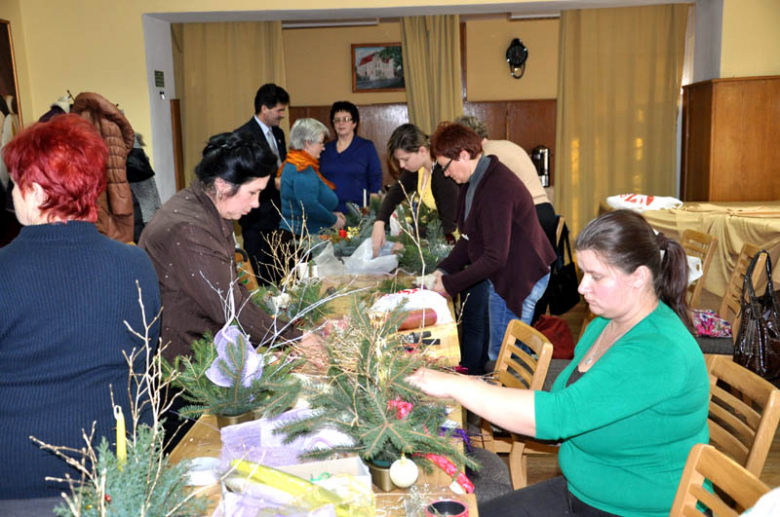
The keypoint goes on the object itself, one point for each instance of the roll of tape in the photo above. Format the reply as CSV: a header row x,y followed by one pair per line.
x,y
447,507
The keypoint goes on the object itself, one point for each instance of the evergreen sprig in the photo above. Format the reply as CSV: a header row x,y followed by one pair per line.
x,y
304,305
368,366
272,392
129,489
433,246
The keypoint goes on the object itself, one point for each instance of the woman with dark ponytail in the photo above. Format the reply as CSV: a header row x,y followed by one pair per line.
x,y
632,402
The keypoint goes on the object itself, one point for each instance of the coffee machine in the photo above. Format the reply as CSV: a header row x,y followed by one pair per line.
x,y
541,158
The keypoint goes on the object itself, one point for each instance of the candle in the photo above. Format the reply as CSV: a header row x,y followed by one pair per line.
x,y
121,437
365,201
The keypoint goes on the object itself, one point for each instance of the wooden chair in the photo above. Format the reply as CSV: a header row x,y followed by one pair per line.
x,y
744,412
246,273
729,478
730,306
516,368
701,245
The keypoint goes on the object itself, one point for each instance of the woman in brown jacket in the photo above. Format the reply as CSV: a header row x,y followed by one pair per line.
x,y
191,243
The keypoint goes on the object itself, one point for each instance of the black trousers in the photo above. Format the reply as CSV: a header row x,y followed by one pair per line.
x,y
257,246
475,327
549,223
549,498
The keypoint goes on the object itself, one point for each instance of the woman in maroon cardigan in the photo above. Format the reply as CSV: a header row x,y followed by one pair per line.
x,y
501,239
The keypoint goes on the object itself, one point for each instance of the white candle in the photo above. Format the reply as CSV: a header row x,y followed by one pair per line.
x,y
121,437
365,201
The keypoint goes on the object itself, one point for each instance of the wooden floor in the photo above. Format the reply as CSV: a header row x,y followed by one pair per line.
x,y
541,467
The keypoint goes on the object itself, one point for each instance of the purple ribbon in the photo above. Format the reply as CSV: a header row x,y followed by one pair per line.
x,y
459,433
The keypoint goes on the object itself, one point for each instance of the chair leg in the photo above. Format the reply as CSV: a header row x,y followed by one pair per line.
x,y
487,436
518,465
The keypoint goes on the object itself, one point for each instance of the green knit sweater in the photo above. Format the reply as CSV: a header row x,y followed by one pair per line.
x,y
628,423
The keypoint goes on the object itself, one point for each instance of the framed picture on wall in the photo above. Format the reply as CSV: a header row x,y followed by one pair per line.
x,y
10,107
377,67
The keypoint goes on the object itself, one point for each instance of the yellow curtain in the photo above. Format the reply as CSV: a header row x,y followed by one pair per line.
x,y
219,70
618,95
432,69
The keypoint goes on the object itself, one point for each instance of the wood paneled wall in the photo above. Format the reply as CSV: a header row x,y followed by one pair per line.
x,y
527,123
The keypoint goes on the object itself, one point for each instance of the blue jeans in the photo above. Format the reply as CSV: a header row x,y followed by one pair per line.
x,y
500,315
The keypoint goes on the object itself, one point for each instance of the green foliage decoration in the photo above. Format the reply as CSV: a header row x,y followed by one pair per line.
x,y
146,484
303,307
368,365
273,391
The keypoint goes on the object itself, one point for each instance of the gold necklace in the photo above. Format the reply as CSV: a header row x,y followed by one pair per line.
x,y
596,351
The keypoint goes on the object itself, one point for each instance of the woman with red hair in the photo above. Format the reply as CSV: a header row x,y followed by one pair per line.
x,y
501,239
67,292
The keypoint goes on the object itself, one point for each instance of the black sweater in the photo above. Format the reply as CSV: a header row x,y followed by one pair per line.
x,y
445,192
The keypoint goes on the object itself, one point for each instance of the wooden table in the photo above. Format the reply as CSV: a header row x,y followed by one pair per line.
x,y
203,438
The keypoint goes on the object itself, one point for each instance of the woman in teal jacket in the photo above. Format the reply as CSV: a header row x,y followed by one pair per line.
x,y
634,399
307,197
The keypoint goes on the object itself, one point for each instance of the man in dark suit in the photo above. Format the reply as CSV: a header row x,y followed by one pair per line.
x,y
259,225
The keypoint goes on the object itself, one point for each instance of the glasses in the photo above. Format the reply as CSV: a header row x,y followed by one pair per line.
x,y
444,169
337,120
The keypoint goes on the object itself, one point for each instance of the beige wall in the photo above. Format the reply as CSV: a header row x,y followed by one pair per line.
x,y
97,45
751,38
487,72
318,64
9,10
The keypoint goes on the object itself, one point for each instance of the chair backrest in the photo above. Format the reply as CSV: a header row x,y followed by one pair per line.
x,y
246,275
701,245
726,475
516,368
730,306
744,411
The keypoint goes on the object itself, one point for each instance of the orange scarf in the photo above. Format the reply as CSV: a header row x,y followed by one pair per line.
x,y
302,160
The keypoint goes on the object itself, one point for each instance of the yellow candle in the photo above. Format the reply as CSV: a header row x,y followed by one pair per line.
x,y
121,437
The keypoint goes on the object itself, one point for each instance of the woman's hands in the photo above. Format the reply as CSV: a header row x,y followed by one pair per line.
x,y
341,221
378,237
433,383
439,285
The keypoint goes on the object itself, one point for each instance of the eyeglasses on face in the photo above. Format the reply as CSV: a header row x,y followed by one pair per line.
x,y
444,169
337,120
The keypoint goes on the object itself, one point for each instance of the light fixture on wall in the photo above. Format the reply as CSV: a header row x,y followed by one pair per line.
x,y
549,15
516,56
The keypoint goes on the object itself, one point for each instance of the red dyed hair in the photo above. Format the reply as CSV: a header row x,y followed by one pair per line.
x,y
450,139
65,156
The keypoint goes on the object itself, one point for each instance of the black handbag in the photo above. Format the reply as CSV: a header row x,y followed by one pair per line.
x,y
757,346
562,289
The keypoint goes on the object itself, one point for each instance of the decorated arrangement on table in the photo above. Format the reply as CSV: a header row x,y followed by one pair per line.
x,y
359,222
365,396
136,478
300,303
423,241
225,376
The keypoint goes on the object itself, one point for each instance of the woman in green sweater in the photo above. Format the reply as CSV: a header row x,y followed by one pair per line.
x,y
634,399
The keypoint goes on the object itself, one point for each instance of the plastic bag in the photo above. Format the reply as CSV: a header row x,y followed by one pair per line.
x,y
416,299
362,262
328,264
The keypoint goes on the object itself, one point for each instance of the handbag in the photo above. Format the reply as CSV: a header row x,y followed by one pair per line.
x,y
558,332
757,346
562,288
